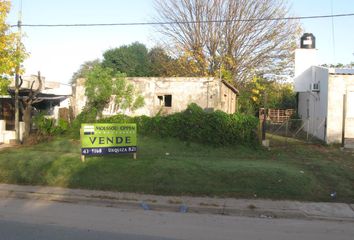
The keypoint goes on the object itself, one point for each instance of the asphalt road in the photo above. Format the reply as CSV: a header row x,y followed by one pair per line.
x,y
29,219
18,231
10,230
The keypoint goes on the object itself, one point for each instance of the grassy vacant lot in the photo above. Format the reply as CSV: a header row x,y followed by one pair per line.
x,y
172,167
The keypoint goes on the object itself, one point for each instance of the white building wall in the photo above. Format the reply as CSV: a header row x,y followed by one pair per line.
x,y
336,90
327,104
6,136
312,105
349,123
338,86
303,105
322,111
304,60
302,81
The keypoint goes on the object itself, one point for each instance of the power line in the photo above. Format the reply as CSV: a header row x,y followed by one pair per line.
x,y
183,22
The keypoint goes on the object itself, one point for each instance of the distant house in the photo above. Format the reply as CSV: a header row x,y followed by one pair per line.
x,y
325,97
170,95
53,95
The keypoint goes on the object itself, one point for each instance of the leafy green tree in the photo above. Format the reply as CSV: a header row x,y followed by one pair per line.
x,y
339,65
12,52
161,64
103,85
137,61
84,69
286,96
130,59
279,95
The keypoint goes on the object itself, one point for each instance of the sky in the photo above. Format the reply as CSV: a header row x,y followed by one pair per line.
x,y
59,52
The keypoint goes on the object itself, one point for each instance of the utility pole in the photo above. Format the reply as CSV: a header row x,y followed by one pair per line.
x,y
17,78
264,120
343,121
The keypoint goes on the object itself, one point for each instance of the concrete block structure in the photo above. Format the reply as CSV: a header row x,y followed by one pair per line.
x,y
169,95
325,99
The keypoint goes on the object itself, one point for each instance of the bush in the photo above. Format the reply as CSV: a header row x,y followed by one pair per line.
x,y
86,116
44,125
62,126
47,126
195,125
191,125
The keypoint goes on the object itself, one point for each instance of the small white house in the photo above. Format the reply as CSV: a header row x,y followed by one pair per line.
x,y
53,96
325,98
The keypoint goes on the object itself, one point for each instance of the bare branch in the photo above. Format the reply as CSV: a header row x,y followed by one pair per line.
x,y
36,100
242,47
21,82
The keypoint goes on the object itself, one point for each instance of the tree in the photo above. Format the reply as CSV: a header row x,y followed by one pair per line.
x,y
161,64
84,69
27,105
28,99
104,85
279,95
339,65
231,34
130,59
137,61
12,52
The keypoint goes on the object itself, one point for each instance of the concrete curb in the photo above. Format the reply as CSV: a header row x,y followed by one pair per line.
x,y
203,205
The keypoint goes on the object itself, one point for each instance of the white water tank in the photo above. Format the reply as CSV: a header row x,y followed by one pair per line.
x,y
306,55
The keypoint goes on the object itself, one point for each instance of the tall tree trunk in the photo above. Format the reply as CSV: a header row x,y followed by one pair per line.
x,y
27,119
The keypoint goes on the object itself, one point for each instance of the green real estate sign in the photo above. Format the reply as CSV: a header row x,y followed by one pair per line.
x,y
108,138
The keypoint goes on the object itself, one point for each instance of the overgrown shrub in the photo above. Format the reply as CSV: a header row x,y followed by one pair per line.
x,y
191,125
44,125
62,127
119,118
47,126
86,116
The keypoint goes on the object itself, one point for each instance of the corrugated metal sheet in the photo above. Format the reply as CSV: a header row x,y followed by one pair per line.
x,y
341,71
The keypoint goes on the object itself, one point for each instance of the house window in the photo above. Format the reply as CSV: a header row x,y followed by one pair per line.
x,y
307,108
165,100
168,100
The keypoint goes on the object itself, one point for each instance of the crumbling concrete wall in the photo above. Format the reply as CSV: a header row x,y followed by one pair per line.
x,y
169,95
78,100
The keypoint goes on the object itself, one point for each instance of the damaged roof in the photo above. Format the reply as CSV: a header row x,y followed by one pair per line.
x,y
232,88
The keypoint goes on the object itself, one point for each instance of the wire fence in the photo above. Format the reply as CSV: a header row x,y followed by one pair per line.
x,y
294,131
